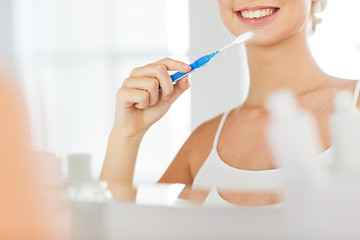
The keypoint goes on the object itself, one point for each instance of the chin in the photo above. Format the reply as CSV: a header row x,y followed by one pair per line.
x,y
263,39
271,36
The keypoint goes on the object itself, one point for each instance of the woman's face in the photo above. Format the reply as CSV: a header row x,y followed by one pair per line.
x,y
270,20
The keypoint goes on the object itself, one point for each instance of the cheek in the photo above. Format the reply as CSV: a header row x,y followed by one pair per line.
x,y
225,9
298,11
293,19
225,3
228,17
298,15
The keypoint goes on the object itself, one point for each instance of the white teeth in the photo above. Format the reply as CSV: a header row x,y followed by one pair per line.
x,y
257,13
263,13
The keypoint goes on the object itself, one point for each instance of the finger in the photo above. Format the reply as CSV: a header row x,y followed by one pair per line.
x,y
151,85
173,65
179,88
158,71
133,97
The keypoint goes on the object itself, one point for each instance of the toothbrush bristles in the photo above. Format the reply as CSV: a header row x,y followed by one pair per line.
x,y
240,39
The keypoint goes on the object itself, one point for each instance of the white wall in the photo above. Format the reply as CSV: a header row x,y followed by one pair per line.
x,y
6,29
73,57
336,42
224,83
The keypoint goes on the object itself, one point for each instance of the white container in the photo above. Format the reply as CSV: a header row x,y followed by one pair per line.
x,y
345,133
79,168
294,139
295,145
81,186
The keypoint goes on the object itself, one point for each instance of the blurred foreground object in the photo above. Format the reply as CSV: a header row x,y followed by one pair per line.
x,y
321,189
296,147
23,215
345,131
345,196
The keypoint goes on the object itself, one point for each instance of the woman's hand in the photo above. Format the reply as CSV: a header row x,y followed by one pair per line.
x,y
139,102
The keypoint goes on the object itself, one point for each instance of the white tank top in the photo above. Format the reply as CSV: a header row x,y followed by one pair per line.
x,y
216,174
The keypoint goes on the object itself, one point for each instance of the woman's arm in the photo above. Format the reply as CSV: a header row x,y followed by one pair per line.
x,y
189,160
139,104
192,154
179,170
119,165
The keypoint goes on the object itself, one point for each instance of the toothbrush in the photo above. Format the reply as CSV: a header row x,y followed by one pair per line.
x,y
201,62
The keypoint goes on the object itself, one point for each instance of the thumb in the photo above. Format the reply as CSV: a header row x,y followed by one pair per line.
x,y
179,88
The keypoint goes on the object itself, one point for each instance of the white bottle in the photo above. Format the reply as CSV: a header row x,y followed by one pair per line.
x,y
345,133
293,138
81,186
295,144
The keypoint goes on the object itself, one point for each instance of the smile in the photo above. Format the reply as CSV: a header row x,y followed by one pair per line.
x,y
257,15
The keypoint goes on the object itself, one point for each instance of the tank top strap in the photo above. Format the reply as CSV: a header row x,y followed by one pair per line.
x,y
223,119
356,94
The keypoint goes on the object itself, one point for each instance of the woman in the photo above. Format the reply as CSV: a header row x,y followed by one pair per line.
x,y
278,57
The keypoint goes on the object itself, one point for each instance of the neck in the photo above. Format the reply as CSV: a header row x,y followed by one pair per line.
x,y
287,64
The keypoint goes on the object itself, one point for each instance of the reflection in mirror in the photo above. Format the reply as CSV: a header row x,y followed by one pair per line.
x,y
252,147
253,142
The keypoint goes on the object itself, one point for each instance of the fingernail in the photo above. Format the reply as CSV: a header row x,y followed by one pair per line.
x,y
185,66
166,99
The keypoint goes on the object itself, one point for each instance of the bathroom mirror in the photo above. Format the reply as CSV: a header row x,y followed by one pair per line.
x,y
71,60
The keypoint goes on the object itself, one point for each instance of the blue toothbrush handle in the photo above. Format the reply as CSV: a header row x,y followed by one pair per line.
x,y
194,66
177,76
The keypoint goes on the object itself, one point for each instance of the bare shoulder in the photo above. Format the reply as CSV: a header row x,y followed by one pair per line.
x,y
192,154
346,84
324,95
352,88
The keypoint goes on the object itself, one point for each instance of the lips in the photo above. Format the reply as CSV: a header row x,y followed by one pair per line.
x,y
257,15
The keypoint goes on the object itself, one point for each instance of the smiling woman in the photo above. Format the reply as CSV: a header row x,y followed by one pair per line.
x,y
278,57
73,61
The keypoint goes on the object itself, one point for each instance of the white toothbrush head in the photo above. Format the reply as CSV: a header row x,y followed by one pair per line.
x,y
243,38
